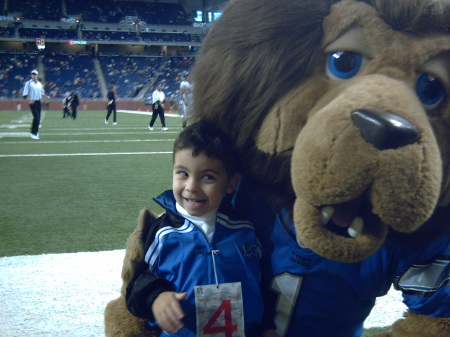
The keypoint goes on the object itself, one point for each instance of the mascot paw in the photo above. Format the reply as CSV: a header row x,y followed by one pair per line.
x,y
382,335
134,253
119,322
412,325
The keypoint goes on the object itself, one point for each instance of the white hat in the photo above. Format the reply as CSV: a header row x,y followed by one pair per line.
x,y
34,72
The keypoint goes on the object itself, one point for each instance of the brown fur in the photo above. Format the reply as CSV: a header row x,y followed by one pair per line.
x,y
419,326
261,76
224,87
119,322
251,79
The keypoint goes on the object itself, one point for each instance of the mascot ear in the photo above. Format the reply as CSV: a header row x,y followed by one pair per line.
x,y
118,320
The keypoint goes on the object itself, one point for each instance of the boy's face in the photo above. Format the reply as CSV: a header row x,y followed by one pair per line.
x,y
200,182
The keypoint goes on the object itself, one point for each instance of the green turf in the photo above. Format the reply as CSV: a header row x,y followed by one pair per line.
x,y
55,198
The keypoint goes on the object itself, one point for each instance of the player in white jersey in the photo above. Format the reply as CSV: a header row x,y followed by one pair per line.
x,y
33,91
186,95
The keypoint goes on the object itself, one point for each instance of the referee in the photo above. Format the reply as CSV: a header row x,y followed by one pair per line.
x,y
34,91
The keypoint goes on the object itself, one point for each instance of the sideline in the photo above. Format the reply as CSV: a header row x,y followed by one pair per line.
x,y
78,154
91,141
149,113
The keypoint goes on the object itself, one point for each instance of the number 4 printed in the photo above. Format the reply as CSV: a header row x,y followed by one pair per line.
x,y
287,286
228,328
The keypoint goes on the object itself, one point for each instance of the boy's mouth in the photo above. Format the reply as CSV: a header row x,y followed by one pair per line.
x,y
195,201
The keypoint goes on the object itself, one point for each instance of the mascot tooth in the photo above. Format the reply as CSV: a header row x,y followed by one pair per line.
x,y
341,114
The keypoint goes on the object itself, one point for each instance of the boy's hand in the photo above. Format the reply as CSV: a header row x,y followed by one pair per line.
x,y
168,312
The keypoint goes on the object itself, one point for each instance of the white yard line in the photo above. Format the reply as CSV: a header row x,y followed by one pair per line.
x,y
78,154
149,113
91,141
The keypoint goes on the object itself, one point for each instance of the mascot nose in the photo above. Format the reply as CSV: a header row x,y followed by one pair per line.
x,y
384,130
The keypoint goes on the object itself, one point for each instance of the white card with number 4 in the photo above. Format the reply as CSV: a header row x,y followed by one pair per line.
x,y
220,312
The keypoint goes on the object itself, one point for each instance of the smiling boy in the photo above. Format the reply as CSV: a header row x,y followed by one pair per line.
x,y
200,274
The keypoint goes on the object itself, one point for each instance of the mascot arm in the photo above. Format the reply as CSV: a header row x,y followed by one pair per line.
x,y
413,325
119,322
142,292
426,292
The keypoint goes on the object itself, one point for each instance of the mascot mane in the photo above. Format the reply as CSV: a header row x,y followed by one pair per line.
x,y
261,75
246,59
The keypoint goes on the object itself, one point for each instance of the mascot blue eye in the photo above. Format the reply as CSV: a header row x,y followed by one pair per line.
x,y
430,91
343,64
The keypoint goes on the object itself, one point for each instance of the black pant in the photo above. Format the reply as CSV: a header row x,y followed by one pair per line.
x,y
158,111
66,112
36,111
111,109
74,111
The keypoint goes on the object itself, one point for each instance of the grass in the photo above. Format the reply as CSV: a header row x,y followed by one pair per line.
x,y
81,186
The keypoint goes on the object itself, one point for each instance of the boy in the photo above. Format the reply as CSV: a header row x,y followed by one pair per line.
x,y
201,269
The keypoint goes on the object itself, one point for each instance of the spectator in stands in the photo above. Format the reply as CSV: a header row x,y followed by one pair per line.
x,y
111,99
34,91
158,99
186,92
75,102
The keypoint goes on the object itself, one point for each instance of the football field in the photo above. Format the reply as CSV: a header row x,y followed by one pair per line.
x,y
81,185
68,203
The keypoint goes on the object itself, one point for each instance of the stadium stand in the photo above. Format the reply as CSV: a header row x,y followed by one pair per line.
x,y
109,11
66,73
14,69
170,74
111,36
136,44
48,10
129,73
56,34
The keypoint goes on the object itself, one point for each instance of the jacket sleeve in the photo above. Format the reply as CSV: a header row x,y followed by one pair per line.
x,y
142,292
425,285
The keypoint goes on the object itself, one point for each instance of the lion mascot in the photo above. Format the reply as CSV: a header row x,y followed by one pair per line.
x,y
341,113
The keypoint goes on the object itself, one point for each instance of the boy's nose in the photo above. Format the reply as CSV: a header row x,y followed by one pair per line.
x,y
191,185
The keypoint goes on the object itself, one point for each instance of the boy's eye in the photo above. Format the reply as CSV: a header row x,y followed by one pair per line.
x,y
209,177
182,173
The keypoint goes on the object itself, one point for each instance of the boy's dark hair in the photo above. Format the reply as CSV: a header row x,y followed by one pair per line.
x,y
207,138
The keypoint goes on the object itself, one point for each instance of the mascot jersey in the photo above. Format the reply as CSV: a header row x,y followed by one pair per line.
x,y
310,296
179,257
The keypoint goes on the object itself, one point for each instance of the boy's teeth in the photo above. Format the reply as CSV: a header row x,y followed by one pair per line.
x,y
356,227
326,214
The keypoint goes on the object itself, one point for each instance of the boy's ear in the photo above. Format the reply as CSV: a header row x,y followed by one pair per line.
x,y
232,182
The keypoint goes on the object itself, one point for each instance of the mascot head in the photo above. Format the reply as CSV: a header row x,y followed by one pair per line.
x,y
341,112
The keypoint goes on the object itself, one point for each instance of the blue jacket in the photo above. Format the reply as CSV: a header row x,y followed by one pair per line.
x,y
310,296
179,257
